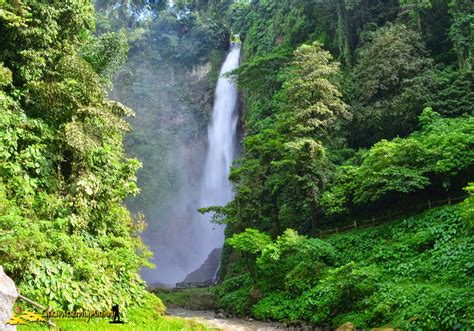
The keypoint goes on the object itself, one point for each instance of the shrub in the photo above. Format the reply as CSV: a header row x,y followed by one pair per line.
x,y
234,294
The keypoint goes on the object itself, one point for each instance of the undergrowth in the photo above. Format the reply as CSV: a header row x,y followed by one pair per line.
x,y
415,274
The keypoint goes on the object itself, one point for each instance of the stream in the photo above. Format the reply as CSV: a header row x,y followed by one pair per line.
x,y
227,324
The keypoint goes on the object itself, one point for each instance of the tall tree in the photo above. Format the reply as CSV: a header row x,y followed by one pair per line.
x,y
390,66
312,93
462,32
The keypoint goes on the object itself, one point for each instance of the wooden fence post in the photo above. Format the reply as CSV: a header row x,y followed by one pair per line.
x,y
429,204
373,220
449,200
337,230
355,225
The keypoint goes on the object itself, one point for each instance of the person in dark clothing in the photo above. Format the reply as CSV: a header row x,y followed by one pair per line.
x,y
116,312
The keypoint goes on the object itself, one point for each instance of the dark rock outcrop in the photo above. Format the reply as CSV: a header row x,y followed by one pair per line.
x,y
208,270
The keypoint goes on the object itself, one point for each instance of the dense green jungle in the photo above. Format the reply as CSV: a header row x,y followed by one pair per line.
x,y
350,110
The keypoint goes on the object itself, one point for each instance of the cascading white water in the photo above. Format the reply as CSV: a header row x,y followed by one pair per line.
x,y
216,189
186,238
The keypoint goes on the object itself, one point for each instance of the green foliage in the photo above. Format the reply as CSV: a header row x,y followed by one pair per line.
x,y
193,298
341,290
384,76
148,309
251,241
425,307
415,273
438,152
234,294
336,200
260,74
35,34
264,25
185,40
293,263
63,172
312,94
284,169
411,108
305,161
275,306
297,108
461,32
107,53
454,94
468,214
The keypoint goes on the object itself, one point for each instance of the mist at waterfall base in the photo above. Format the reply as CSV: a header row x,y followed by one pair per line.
x,y
181,238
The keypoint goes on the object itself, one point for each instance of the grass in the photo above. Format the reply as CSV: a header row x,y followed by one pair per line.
x,y
194,299
148,315
164,323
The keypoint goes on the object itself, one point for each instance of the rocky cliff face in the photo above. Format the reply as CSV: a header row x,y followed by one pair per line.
x,y
8,296
207,270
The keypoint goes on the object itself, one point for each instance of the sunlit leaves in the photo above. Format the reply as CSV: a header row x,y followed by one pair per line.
x,y
312,92
441,150
63,170
251,241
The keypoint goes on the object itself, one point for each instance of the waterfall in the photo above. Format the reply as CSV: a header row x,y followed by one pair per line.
x,y
186,239
216,189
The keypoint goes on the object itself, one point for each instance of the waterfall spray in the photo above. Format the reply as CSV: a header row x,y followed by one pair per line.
x,y
186,238
216,189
